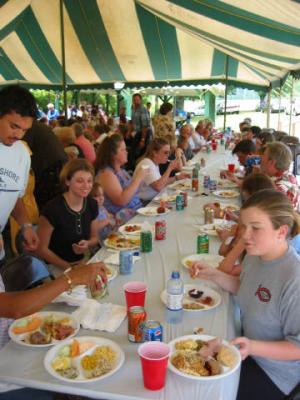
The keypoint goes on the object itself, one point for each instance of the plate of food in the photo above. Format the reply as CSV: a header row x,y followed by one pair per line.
x,y
131,229
219,224
221,208
153,211
84,359
203,357
43,329
226,194
197,298
227,207
119,242
211,259
226,184
111,272
181,185
170,198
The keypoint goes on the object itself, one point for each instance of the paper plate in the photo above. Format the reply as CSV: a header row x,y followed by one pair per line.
x,y
123,246
226,184
211,259
171,198
210,229
133,229
207,292
113,272
75,361
151,211
225,371
226,194
20,338
182,185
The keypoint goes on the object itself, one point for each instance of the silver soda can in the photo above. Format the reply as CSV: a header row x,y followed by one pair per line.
x,y
126,262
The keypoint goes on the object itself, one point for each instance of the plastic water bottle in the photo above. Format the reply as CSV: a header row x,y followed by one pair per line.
x,y
175,291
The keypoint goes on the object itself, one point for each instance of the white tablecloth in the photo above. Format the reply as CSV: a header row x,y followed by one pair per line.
x,y
24,366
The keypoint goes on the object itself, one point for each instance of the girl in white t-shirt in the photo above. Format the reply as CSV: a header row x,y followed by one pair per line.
x,y
157,153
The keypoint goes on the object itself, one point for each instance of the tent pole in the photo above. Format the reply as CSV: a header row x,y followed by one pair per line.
x,y
63,57
291,104
269,106
226,92
279,106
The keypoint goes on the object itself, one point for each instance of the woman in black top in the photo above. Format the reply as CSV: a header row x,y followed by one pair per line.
x,y
68,223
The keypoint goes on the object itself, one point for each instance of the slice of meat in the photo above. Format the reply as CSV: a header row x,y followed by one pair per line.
x,y
210,348
61,331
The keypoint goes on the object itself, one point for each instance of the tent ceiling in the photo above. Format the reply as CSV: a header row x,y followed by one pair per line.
x,y
148,43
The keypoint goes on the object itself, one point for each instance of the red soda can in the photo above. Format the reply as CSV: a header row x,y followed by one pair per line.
x,y
195,184
185,198
160,230
136,318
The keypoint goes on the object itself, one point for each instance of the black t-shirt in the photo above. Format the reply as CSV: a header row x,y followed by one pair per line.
x,y
69,226
163,167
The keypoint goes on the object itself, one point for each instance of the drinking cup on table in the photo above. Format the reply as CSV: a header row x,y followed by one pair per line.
x,y
214,145
135,293
231,168
154,360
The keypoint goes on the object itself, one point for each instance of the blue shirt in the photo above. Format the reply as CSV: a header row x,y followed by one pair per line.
x,y
125,180
140,118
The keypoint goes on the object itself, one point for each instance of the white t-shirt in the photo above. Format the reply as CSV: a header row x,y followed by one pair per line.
x,y
14,170
146,192
196,141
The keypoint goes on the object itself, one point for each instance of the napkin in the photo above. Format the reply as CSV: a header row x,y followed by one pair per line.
x,y
114,259
103,317
76,298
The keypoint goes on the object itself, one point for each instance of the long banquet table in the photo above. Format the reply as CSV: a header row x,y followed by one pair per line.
x,y
24,366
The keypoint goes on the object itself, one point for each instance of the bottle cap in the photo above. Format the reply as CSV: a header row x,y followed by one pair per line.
x,y
175,275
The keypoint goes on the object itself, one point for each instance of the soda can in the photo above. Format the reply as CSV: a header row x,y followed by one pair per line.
x,y
203,162
208,215
136,318
202,243
185,199
222,141
179,202
212,186
146,241
152,331
195,184
160,230
126,262
208,149
206,180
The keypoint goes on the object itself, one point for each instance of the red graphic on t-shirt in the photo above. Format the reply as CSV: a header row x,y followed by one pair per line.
x,y
263,294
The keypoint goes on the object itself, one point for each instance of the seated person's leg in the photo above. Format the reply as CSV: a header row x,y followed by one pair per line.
x,y
255,383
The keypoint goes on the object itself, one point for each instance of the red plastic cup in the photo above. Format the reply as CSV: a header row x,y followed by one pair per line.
x,y
135,293
214,145
231,168
154,359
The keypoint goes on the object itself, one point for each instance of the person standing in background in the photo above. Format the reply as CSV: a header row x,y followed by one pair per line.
x,y
142,126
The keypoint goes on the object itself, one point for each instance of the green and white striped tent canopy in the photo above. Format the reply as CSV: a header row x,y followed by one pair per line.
x,y
149,43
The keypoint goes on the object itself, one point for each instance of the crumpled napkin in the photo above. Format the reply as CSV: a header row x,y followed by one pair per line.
x,y
76,298
114,259
103,317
